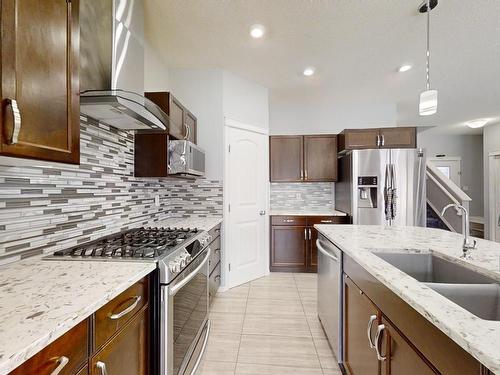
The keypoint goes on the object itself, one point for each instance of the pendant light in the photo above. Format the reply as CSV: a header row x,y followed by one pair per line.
x,y
428,98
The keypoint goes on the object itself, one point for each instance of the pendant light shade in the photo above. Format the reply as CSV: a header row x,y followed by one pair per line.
x,y
428,98
428,103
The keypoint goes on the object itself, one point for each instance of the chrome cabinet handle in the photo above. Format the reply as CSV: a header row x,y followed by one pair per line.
x,y
378,336
102,367
309,231
262,213
382,142
378,140
216,278
499,220
327,221
217,251
16,114
187,131
372,319
288,220
301,174
305,234
62,362
322,250
305,174
127,310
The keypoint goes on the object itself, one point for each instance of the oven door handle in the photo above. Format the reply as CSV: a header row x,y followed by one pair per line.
x,y
176,288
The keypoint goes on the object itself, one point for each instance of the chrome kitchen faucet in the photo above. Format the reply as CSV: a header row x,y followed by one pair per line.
x,y
469,244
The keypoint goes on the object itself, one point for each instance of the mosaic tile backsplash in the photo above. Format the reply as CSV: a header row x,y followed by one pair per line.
x,y
298,195
46,208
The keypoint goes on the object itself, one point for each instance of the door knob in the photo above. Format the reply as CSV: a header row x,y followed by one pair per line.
x,y
262,213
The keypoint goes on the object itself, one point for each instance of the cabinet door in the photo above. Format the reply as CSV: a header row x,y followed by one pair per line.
x,y
127,352
398,137
359,357
40,82
320,158
288,248
286,156
177,127
401,358
191,123
356,139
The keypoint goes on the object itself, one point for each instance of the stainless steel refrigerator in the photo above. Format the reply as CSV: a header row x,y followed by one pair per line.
x,y
384,187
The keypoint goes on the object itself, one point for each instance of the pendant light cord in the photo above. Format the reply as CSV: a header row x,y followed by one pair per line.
x,y
428,45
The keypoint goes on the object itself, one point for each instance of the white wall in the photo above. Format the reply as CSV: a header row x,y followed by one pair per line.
x,y
491,143
245,101
200,90
470,149
156,73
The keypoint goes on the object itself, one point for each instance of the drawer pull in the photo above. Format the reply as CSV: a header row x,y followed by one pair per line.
x,y
62,362
217,251
327,221
217,278
127,310
102,367
288,220
378,336
16,116
369,331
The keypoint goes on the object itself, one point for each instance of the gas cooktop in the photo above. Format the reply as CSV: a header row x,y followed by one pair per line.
x,y
133,244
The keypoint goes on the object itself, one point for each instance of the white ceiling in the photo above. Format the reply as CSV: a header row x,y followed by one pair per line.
x,y
356,46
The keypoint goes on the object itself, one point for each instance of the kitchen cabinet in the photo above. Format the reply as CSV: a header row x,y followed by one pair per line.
x,y
39,92
408,343
127,352
359,356
298,158
183,123
114,340
358,139
151,154
286,156
293,242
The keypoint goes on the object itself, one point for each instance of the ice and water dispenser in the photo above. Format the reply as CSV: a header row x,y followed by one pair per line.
x,y
367,191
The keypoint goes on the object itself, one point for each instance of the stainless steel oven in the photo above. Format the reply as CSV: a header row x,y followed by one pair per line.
x,y
184,318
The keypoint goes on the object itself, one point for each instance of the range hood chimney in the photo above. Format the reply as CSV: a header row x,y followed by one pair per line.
x,y
112,66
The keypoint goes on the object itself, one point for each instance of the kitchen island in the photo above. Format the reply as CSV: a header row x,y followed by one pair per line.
x,y
360,244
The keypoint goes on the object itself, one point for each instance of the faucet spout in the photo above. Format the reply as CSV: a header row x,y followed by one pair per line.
x,y
469,244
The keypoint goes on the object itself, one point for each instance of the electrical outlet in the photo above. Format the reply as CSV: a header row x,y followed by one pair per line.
x,y
157,200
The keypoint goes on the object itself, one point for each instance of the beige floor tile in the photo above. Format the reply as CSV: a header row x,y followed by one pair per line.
x,y
275,279
222,347
332,371
310,307
226,322
253,369
306,282
273,292
310,295
229,305
315,327
237,292
216,368
276,325
274,307
277,350
325,354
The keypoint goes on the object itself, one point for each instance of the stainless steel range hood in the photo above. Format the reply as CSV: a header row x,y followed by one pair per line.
x,y
111,48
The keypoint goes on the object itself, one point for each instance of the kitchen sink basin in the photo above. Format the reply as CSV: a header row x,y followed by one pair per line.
x,y
429,268
476,293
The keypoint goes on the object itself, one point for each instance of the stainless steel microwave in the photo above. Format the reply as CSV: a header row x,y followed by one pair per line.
x,y
185,158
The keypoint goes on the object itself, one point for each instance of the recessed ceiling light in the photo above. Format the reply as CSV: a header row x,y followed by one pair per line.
x,y
309,71
257,31
479,123
404,68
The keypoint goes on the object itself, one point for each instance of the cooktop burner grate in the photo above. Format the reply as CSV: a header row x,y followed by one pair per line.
x,y
147,243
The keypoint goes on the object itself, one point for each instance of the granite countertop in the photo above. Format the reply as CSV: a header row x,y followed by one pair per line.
x,y
41,300
305,212
478,337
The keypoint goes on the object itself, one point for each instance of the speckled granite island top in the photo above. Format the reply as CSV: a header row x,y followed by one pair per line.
x,y
480,338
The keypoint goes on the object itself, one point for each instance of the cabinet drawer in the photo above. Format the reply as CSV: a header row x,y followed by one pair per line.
x,y
312,220
288,220
215,231
71,348
214,282
115,314
214,254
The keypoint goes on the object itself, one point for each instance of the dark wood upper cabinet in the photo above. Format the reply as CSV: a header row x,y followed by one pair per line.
x,y
40,79
298,158
286,158
398,137
183,123
320,158
358,139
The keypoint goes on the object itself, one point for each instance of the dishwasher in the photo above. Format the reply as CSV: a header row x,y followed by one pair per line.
x,y
330,293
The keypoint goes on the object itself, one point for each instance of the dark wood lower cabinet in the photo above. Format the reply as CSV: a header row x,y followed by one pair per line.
x,y
288,244
359,357
127,352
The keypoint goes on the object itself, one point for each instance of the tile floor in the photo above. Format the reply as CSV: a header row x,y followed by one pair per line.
x,y
268,327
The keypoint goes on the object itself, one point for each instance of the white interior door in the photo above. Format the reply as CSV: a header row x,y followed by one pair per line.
x,y
451,167
246,184
496,181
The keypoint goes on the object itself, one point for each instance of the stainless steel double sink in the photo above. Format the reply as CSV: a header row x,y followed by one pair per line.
x,y
477,293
